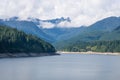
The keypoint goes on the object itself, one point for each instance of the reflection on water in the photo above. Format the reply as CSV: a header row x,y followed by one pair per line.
x,y
63,67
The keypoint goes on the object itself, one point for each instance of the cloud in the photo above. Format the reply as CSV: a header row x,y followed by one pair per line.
x,y
81,12
46,25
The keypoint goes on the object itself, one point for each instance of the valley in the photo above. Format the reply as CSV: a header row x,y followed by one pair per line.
x,y
102,36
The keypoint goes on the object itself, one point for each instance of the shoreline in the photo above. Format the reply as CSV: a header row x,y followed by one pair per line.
x,y
25,55
90,52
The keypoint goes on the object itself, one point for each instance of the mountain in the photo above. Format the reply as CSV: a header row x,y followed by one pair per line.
x,y
107,24
53,21
33,26
96,31
26,26
113,35
14,43
58,20
63,33
107,29
100,30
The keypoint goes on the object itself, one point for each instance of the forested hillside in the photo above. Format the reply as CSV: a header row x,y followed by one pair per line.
x,y
95,46
14,41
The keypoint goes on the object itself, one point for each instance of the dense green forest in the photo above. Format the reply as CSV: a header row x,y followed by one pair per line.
x,y
95,46
14,41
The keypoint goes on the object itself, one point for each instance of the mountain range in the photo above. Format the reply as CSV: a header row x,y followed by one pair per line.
x,y
105,29
100,30
33,26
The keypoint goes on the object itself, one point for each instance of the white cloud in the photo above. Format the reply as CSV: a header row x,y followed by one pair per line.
x,y
64,24
46,25
81,12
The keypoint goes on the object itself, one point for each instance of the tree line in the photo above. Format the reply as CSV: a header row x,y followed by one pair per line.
x,y
95,46
14,41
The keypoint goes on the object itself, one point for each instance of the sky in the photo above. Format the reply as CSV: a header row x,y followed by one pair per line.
x,y
81,12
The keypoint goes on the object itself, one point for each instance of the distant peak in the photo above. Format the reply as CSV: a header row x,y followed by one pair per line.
x,y
58,20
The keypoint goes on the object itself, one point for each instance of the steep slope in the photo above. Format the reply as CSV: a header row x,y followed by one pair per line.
x,y
117,29
113,35
14,43
100,30
28,27
107,24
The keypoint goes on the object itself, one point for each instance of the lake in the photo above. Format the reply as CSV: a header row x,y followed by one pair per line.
x,y
61,67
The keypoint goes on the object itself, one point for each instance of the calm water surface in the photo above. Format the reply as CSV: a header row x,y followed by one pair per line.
x,y
63,67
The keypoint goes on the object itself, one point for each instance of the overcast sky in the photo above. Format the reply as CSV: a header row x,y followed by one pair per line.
x,y
81,12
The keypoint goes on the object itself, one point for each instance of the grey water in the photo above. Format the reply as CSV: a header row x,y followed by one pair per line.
x,y
62,67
